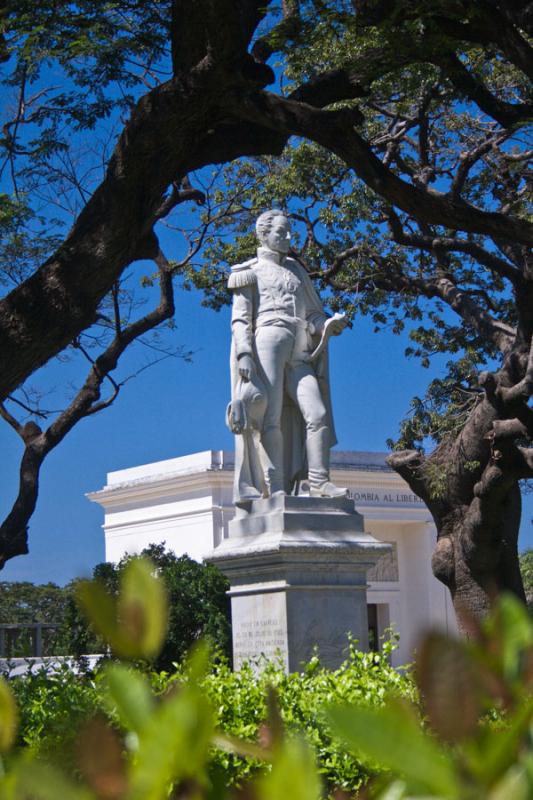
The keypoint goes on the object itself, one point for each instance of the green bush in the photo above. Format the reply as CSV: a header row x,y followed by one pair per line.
x,y
464,732
54,706
241,707
22,602
198,607
526,568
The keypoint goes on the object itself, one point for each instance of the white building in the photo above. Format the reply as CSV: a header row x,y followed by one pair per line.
x,y
186,502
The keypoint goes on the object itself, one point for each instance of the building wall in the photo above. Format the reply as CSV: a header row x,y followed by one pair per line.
x,y
186,502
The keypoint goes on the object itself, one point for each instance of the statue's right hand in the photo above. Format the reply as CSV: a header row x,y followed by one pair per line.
x,y
246,367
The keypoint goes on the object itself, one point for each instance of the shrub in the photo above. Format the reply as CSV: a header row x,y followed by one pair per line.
x,y
240,700
55,704
194,734
197,602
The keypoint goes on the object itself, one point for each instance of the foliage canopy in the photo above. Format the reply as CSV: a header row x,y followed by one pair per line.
x,y
396,136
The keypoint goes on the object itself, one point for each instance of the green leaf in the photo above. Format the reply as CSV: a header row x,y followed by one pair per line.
x,y
44,782
498,749
449,685
514,626
135,624
514,785
397,790
142,607
130,695
100,608
197,663
393,737
173,746
101,759
293,775
8,717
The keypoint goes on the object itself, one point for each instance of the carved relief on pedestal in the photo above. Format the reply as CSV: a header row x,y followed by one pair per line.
x,y
386,569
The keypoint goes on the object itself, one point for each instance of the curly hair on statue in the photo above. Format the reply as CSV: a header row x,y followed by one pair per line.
x,y
264,221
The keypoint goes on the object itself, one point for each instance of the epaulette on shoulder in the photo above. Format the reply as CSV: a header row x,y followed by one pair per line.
x,y
242,275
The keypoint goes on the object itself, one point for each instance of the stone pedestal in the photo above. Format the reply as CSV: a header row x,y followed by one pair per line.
x,y
297,570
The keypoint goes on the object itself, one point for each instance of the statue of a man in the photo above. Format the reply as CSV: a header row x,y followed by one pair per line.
x,y
280,409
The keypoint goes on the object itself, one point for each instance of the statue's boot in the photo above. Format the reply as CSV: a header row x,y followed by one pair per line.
x,y
317,445
272,442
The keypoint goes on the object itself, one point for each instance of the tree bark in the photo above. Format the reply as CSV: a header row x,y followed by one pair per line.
x,y
473,493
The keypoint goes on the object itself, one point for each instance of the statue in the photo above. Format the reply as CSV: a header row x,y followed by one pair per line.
x,y
280,409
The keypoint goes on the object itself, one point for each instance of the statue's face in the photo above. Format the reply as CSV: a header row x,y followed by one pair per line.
x,y
278,237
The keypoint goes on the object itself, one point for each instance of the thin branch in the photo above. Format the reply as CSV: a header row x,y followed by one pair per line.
x,y
116,311
335,131
180,193
35,412
526,466
471,157
10,419
339,260
13,531
450,243
507,114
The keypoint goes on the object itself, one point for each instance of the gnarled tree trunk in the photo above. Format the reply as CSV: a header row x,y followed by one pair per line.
x,y
471,486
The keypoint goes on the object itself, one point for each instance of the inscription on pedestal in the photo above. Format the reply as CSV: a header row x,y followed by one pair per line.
x,y
259,628
261,636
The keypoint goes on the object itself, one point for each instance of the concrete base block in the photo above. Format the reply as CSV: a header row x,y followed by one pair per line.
x,y
297,570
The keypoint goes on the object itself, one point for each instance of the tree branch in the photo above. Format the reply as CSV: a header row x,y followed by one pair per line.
x,y
204,30
507,429
521,390
449,243
409,464
180,194
526,462
472,313
393,279
507,114
14,530
471,157
334,130
11,420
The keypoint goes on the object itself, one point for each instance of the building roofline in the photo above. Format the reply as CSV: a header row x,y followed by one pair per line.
x,y
208,461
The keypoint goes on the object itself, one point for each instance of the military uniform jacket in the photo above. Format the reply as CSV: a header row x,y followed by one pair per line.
x,y
272,290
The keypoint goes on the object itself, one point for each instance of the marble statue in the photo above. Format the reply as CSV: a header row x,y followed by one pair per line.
x,y
280,409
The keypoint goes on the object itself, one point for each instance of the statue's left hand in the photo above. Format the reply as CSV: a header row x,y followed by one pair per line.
x,y
337,325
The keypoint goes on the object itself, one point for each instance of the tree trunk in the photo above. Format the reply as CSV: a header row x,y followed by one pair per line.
x,y
478,564
472,491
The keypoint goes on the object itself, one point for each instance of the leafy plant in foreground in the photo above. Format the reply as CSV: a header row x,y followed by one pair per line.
x,y
198,607
474,743
470,752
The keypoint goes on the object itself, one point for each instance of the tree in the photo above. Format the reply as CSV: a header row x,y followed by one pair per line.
x,y
455,229
198,607
25,602
526,568
463,292
457,290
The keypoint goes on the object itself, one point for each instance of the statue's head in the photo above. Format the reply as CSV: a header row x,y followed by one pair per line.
x,y
273,231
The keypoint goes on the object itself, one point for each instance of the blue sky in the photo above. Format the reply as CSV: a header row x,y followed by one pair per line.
x,y
176,408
